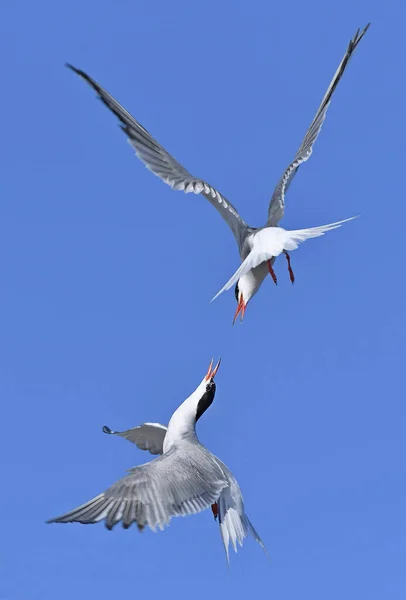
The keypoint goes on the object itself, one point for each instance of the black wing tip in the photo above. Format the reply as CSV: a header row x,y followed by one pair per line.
x,y
358,36
363,32
72,68
106,429
61,520
84,76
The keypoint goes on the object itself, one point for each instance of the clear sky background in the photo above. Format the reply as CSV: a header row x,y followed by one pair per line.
x,y
106,276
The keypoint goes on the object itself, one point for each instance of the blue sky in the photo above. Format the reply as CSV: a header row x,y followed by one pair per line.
x,y
106,276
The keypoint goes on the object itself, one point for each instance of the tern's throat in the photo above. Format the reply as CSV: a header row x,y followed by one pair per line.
x,y
183,422
249,284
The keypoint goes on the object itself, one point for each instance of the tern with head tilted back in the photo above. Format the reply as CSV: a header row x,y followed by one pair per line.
x,y
184,480
258,247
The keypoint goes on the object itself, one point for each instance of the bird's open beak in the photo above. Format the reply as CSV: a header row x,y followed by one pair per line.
x,y
212,373
240,309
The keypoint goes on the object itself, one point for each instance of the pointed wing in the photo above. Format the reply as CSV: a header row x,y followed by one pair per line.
x,y
169,486
254,258
149,436
272,241
162,164
277,204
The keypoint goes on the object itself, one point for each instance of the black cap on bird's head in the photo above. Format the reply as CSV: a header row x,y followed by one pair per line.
x,y
241,304
247,286
209,390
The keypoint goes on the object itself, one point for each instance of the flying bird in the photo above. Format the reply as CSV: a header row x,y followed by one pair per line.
x,y
258,247
185,479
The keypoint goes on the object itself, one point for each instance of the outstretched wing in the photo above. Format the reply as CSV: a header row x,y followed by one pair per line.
x,y
277,204
162,164
169,486
271,242
149,436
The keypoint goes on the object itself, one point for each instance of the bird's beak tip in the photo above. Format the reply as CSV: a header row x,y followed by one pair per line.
x,y
240,309
211,373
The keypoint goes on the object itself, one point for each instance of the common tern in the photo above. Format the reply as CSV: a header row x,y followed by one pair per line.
x,y
258,247
184,480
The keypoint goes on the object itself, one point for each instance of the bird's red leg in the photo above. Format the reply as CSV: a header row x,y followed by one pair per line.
x,y
291,274
272,272
215,510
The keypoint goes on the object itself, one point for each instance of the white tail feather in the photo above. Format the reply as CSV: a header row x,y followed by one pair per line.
x,y
234,524
301,235
272,241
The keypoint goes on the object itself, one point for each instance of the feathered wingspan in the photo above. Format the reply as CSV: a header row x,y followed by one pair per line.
x,y
277,204
161,163
169,486
272,241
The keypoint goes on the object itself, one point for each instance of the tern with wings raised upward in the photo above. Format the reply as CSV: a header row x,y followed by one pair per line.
x,y
184,480
258,247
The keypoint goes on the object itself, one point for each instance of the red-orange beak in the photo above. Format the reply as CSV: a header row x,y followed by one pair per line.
x,y
212,373
240,309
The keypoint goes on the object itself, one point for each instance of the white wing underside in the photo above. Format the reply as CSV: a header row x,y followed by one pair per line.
x,y
149,436
271,242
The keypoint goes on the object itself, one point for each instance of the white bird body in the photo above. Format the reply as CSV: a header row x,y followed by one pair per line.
x,y
266,244
269,241
184,480
250,282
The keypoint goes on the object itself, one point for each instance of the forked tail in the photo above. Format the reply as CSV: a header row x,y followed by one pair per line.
x,y
297,236
272,241
234,524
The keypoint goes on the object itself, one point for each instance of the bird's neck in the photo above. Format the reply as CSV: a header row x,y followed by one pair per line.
x,y
182,424
250,283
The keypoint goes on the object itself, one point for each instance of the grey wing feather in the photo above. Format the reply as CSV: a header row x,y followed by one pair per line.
x,y
168,486
277,204
162,164
149,436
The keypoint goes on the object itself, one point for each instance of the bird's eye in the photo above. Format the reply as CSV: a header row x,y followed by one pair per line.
x,y
236,291
209,386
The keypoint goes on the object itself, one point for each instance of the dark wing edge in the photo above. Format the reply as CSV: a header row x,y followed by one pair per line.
x,y
277,203
162,164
